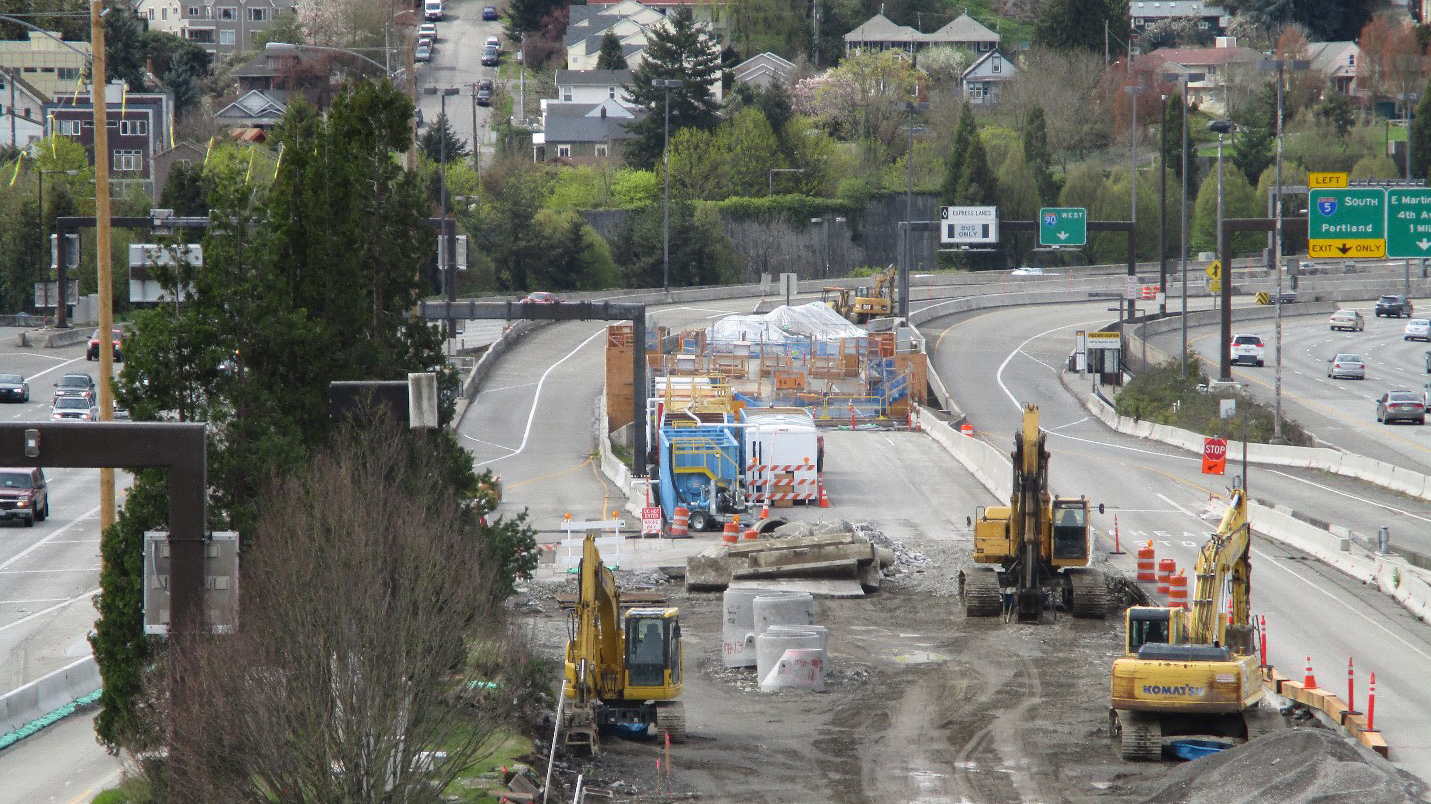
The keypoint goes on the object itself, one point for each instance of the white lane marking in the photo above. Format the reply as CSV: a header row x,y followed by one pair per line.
x,y
42,612
505,388
999,375
37,545
48,571
52,368
32,600
1070,424
536,397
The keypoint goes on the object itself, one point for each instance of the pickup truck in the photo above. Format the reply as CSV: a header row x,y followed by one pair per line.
x,y
1248,349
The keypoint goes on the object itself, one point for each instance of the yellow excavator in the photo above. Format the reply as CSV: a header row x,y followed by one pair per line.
x,y
1039,546
623,670
863,303
1193,675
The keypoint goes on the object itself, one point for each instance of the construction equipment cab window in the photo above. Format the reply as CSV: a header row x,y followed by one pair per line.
x,y
1070,529
649,643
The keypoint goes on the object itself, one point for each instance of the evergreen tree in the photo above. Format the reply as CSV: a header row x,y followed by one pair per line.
x,y
1081,25
678,50
1037,156
700,251
124,52
965,132
525,16
1172,143
1335,111
1252,150
977,184
1419,136
1018,198
439,141
186,191
610,57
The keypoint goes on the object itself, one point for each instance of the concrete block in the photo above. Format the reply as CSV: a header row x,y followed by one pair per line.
x,y
708,573
870,577
758,546
839,568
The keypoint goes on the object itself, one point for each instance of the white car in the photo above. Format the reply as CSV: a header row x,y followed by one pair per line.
x,y
1028,270
1349,320
1346,365
427,29
1417,329
1248,349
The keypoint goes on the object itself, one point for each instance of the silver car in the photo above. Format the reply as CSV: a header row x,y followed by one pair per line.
x,y
1347,366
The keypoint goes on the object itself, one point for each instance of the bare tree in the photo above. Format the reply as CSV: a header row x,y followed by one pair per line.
x,y
372,637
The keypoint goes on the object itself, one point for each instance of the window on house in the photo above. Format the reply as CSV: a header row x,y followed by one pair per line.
x,y
611,93
128,160
151,15
1137,22
228,37
30,69
198,12
258,15
204,36
564,151
996,64
228,13
566,93
603,150
1203,24
134,128
1351,59
976,92
163,14
67,73
70,128
47,69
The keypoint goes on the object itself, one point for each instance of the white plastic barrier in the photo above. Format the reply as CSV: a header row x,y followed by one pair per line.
x,y
797,668
46,694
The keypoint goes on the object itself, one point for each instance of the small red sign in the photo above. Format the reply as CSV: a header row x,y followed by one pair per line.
x,y
651,520
1214,456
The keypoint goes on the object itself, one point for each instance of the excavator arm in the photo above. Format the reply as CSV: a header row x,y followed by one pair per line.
x,y
1028,501
593,656
1224,562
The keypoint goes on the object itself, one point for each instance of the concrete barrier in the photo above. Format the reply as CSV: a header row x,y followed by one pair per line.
x,y
54,338
46,694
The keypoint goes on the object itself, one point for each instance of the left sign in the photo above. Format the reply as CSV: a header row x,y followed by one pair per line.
x,y
968,225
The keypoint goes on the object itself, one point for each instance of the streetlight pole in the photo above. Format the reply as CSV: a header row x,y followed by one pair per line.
x,y
445,259
1135,91
1225,362
1163,208
667,84
101,248
1182,80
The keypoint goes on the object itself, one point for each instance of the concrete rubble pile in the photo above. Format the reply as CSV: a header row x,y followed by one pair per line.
x,y
827,550
1289,766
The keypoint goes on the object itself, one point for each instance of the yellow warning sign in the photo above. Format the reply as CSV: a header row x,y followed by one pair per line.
x,y
1346,249
1262,297
1214,285
1326,181
1214,270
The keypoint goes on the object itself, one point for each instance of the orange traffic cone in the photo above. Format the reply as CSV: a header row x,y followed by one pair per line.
x,y
824,498
1309,681
765,510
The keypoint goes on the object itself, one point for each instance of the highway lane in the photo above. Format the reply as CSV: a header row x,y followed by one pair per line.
x,y
1005,357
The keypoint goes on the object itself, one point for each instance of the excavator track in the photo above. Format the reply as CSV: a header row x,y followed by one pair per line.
x,y
980,589
1090,593
671,720
1140,736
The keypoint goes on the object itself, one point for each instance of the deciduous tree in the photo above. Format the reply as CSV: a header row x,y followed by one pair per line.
x,y
1080,25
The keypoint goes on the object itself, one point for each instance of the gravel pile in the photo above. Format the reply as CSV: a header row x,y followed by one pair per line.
x,y
1290,766
906,559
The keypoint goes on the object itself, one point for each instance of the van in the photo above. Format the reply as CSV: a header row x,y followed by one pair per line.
x,y
493,41
432,10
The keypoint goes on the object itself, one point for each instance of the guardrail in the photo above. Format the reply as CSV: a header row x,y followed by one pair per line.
x,y
24,706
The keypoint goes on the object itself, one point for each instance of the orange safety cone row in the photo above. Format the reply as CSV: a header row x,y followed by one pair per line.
x,y
1309,681
824,498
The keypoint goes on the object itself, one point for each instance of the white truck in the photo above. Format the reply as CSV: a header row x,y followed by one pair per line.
x,y
784,455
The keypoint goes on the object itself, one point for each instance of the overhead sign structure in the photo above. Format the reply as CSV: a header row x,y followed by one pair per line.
x,y
1408,222
1063,226
1347,223
966,226
1326,181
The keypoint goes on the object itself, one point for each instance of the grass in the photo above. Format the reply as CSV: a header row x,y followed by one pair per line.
x,y
1163,396
482,782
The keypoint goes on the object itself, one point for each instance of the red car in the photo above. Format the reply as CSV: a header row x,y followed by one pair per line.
x,y
542,297
93,352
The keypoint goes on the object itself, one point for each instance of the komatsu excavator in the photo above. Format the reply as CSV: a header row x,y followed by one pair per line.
x,y
1039,543
623,670
1193,673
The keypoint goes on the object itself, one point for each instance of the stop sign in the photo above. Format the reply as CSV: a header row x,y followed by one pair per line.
x,y
1214,456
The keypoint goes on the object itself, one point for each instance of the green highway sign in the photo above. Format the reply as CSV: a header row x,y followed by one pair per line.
x,y
1408,222
1347,223
1063,226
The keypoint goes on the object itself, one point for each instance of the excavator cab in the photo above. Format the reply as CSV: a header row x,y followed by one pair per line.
x,y
1070,531
653,654
1147,625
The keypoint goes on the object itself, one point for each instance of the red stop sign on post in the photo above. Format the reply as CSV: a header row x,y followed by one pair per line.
x,y
1214,456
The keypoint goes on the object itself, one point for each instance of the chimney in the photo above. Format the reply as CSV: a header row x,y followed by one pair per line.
x,y
603,112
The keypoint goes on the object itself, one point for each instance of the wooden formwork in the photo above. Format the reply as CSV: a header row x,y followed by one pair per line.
x,y
619,388
732,366
916,366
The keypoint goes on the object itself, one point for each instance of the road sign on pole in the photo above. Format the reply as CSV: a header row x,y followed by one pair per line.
x,y
969,225
1347,223
1408,222
1063,226
1214,269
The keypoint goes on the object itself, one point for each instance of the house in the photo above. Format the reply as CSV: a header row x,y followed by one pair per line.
x,y
162,15
167,159
45,63
764,69
630,21
583,132
1337,61
1211,69
141,124
257,108
225,27
592,86
879,33
963,31
710,14
24,111
984,79
1144,14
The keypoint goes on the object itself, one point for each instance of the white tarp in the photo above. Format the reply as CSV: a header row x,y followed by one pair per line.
x,y
814,320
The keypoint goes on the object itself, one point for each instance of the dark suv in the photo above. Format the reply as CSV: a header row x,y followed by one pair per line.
x,y
1393,307
24,495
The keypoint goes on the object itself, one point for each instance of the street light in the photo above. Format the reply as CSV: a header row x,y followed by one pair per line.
x,y
1225,374
44,238
1182,80
1135,91
445,261
667,84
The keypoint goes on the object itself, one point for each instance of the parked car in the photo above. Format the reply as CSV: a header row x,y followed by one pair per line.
x,y
24,495
92,353
13,388
493,41
1248,349
1408,406
542,297
491,56
489,13
424,40
74,407
432,10
1346,366
484,95
78,385
427,29
1348,320
1028,270
423,52
1393,306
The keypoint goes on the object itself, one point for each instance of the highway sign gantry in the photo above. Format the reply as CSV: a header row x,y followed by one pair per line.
x,y
1063,226
1347,223
1408,222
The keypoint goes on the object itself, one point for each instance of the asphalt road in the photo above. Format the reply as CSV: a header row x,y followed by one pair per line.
x,y
457,63
1000,359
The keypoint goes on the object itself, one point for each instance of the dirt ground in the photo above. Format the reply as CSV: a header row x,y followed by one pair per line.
x,y
921,705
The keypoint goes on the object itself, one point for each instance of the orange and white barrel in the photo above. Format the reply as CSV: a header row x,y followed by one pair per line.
x,y
1178,591
1147,566
681,522
1166,568
731,534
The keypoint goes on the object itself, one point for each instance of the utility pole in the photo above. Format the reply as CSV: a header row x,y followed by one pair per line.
x,y
101,248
